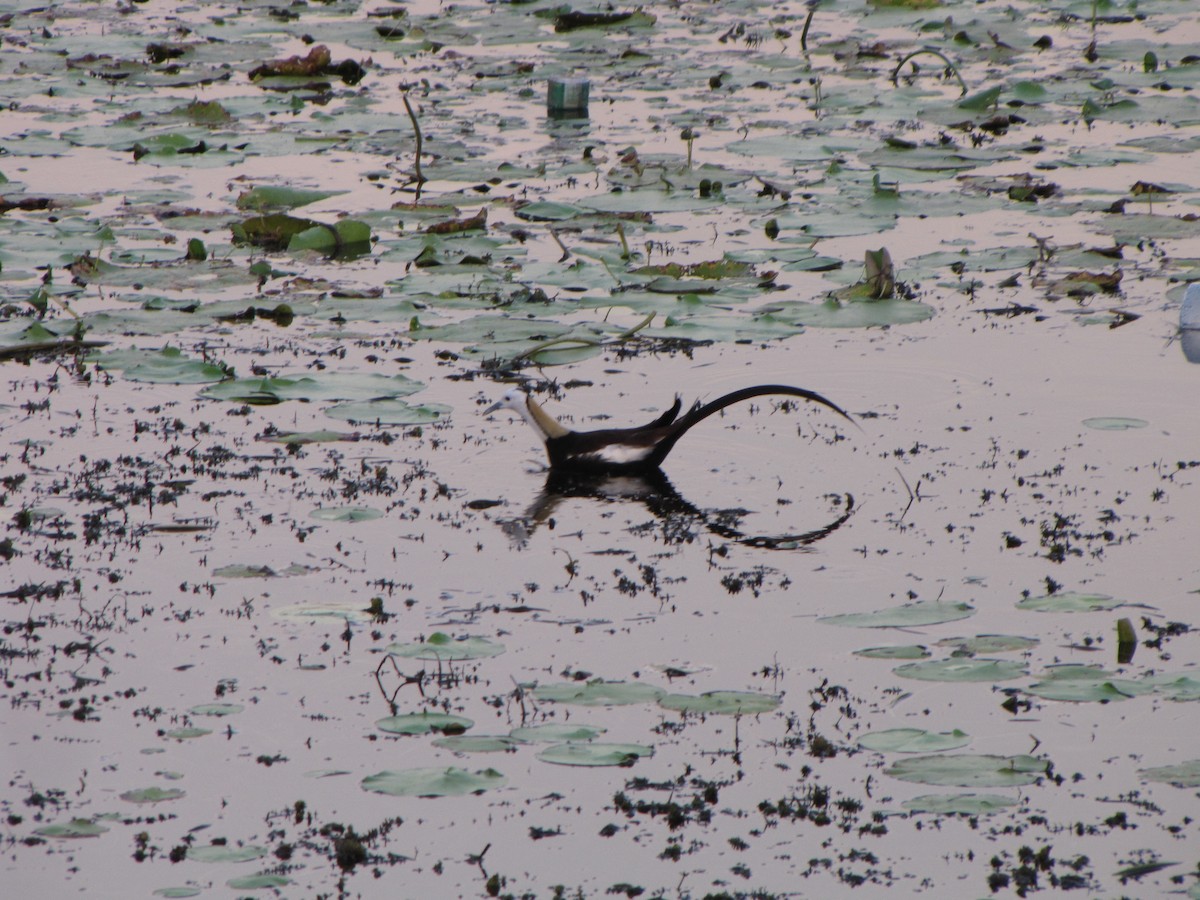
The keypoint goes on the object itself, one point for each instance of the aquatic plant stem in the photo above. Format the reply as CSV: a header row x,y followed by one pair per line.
x,y
420,142
938,53
583,341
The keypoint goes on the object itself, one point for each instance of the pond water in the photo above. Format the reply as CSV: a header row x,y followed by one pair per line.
x,y
259,527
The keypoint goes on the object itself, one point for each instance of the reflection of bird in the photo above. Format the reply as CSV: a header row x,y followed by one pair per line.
x,y
680,520
639,449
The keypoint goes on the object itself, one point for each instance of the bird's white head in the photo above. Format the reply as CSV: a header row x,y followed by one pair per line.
x,y
514,399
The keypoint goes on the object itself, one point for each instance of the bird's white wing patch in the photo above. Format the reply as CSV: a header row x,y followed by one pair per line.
x,y
619,454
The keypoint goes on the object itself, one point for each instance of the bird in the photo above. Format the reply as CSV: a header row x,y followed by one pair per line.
x,y
641,449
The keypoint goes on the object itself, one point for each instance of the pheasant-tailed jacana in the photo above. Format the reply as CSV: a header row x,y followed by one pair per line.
x,y
639,449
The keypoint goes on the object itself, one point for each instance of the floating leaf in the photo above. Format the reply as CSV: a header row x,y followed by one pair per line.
x,y
599,693
910,615
268,196
346,514
594,754
186,734
152,795
388,412
962,669
441,646
913,740
349,611
989,643
1114,423
476,743
435,782
1084,684
555,733
727,703
226,853
325,386
1070,602
424,723
905,651
166,366
959,804
1184,775
967,770
76,828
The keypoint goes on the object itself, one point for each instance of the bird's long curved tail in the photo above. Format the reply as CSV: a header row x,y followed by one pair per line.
x,y
699,413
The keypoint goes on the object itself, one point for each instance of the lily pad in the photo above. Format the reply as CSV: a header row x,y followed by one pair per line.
x,y
599,693
959,804
433,782
424,723
388,412
554,733
226,853
476,743
346,514
594,754
990,643
1114,423
258,882
1070,602
76,828
1086,684
913,740
962,669
726,703
152,795
910,615
903,651
349,611
186,734
326,386
966,770
165,366
441,646
1184,775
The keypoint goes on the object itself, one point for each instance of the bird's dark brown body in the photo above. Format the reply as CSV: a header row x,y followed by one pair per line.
x,y
639,449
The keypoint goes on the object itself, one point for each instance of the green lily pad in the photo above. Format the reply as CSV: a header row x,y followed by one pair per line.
x,y
326,386
910,615
726,703
1086,684
165,366
178,893
554,733
434,782
1184,775
1175,687
343,236
1070,602
186,734
441,646
913,740
990,643
424,723
76,828
241,570
476,743
1114,423
962,669
959,804
346,514
152,795
323,436
599,693
905,651
852,314
226,853
594,754
267,196
966,770
216,709
388,411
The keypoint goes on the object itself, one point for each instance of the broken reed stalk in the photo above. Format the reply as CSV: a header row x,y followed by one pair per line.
x,y
938,53
812,10
417,131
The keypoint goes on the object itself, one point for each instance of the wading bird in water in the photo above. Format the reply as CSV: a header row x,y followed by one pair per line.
x,y
639,449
